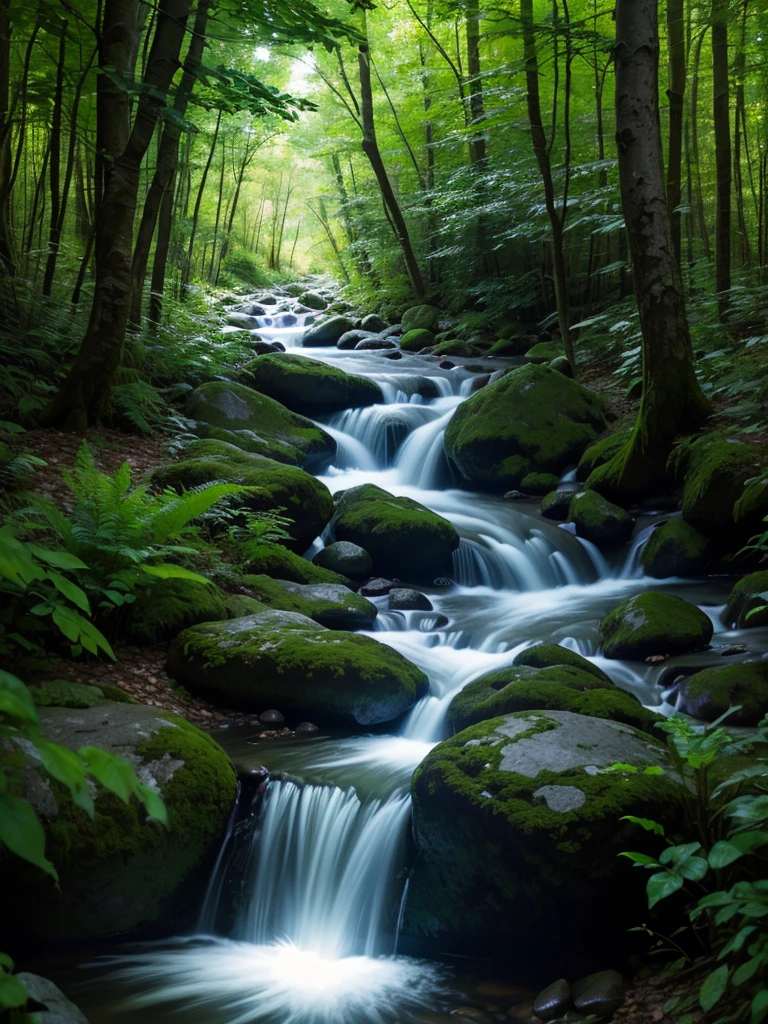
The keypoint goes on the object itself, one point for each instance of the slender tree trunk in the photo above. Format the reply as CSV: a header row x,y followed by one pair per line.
x,y
219,203
676,95
720,14
477,147
672,401
739,123
186,274
162,248
370,147
7,245
54,235
84,396
695,152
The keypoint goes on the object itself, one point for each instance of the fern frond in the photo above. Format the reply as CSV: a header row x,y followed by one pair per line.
x,y
180,511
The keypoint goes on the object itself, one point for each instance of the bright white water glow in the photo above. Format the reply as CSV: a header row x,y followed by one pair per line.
x,y
239,983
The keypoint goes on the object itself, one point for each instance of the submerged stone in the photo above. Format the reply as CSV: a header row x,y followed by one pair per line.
x,y
599,520
675,549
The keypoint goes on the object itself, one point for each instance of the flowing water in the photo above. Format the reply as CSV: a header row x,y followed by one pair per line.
x,y
322,879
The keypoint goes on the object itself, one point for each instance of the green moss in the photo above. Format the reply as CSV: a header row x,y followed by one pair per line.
x,y
538,483
544,351
715,474
239,605
562,365
416,340
282,564
403,537
310,387
546,655
675,549
554,419
164,607
257,423
61,693
286,660
424,316
512,346
601,452
556,504
751,509
749,595
653,624
331,605
599,520
710,693
456,347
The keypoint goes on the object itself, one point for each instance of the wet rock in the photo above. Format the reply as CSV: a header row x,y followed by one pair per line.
x,y
515,495
561,364
416,340
479,382
286,320
242,320
546,655
544,352
309,386
553,1001
345,558
54,1007
403,599
708,694
306,728
599,520
254,309
377,587
331,605
373,323
446,364
349,339
748,602
715,475
600,994
555,505
282,564
676,549
269,300
393,355
272,717
653,624
539,483
326,333
374,344
312,300
420,317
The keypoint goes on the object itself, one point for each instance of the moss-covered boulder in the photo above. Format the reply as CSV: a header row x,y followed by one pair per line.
x,y
554,688
310,387
708,694
562,365
532,420
416,340
751,510
306,501
327,333
257,423
556,504
599,520
456,347
331,605
546,655
163,607
240,605
748,602
654,624
345,558
515,824
539,483
278,562
544,352
64,693
517,346
601,451
312,300
715,474
404,538
284,659
423,317
675,549
118,870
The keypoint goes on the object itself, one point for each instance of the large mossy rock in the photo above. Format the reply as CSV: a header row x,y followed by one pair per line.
x,y
599,520
601,451
748,602
331,605
416,340
715,475
404,538
555,688
519,835
532,420
257,423
310,387
327,333
307,502
751,509
64,693
675,549
422,317
278,562
708,694
119,871
654,624
286,660
164,607
345,558
546,655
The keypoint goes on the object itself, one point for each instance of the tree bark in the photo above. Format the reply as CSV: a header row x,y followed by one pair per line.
x,y
477,147
84,395
54,235
676,95
720,13
187,271
7,246
672,401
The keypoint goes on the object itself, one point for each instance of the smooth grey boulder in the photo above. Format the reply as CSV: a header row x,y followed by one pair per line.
x,y
404,599
326,333
346,558
56,1008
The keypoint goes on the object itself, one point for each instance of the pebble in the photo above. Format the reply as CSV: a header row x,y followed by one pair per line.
x,y
553,1001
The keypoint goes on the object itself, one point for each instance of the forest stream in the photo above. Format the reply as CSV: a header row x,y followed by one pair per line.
x,y
319,856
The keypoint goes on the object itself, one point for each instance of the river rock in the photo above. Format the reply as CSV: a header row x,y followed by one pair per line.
x,y
654,624
310,387
600,994
423,316
599,520
307,501
751,510
556,504
539,483
557,688
373,323
675,549
715,474
345,558
748,602
272,718
401,536
376,343
326,333
238,605
253,309
163,607
288,659
554,419
349,339
261,348
118,870
708,694
312,300
600,452
546,655
416,340
377,587
403,599
256,423
544,352
274,560
553,1001
561,364
512,813
55,1007
331,605
243,321
306,728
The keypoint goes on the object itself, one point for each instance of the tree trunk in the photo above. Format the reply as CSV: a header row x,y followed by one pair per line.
x,y
7,246
720,14
84,395
187,271
54,234
477,149
672,401
695,152
370,147
676,95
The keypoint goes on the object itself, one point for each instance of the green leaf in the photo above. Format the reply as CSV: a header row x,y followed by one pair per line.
x,y
747,970
646,823
759,1007
61,559
165,571
15,699
12,992
153,803
661,885
714,986
70,590
22,833
68,622
640,858
5,962
113,772
68,768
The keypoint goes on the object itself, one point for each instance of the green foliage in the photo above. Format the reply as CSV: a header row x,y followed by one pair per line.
x,y
720,863
21,831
